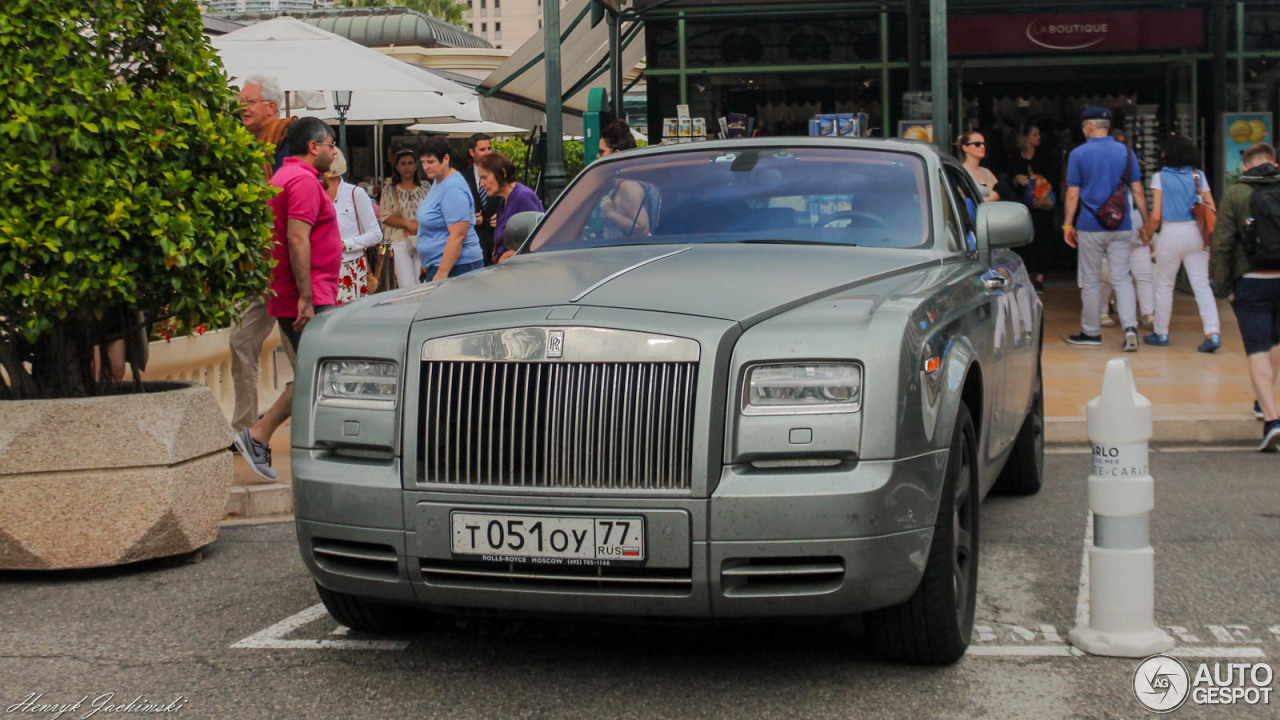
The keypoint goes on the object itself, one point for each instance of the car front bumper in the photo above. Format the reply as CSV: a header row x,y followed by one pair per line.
x,y
798,543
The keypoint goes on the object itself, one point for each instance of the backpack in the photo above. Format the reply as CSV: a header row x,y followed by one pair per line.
x,y
1262,237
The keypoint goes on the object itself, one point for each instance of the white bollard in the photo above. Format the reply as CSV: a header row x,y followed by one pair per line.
x,y
1121,496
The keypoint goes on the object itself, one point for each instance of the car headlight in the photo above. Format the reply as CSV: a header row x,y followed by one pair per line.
x,y
802,388
370,384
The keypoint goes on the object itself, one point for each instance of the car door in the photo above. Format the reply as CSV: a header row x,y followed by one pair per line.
x,y
998,283
1021,343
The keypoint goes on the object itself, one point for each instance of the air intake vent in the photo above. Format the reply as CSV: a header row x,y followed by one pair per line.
x,y
755,577
578,579
342,557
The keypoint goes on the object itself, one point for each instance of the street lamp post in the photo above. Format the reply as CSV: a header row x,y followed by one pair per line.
x,y
554,173
342,103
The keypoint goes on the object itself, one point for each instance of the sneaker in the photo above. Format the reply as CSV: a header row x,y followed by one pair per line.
x,y
258,455
1131,339
1156,339
1210,344
1085,339
1270,436
1257,410
1106,321
1148,322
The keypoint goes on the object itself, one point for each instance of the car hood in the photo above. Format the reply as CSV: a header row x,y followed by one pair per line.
x,y
739,282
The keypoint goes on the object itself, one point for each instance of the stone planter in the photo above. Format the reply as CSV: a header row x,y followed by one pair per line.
x,y
110,480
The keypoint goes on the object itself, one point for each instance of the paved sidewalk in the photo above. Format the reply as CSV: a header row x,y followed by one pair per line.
x,y
1196,397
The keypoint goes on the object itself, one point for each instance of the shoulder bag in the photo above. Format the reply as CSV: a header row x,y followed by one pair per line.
x,y
1206,214
379,275
1111,214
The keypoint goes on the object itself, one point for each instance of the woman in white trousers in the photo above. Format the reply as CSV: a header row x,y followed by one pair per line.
x,y
1175,189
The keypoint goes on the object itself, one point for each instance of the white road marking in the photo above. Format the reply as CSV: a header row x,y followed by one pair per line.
x,y
1069,651
1082,600
273,638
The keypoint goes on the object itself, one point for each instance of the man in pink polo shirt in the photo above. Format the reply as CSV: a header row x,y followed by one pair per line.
x,y
308,255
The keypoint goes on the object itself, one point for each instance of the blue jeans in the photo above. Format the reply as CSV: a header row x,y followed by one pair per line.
x,y
458,269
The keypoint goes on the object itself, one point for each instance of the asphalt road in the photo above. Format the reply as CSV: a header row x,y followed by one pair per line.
x,y
237,635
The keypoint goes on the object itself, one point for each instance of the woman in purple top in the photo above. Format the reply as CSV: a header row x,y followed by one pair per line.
x,y
498,176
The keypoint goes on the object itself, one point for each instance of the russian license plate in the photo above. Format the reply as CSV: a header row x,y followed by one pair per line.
x,y
548,536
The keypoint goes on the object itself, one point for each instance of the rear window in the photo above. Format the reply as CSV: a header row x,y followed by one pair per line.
x,y
827,196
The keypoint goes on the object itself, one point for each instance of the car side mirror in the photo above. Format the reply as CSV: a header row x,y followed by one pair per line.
x,y
1004,225
519,228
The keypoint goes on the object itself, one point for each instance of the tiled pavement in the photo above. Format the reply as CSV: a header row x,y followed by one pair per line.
x,y
1196,397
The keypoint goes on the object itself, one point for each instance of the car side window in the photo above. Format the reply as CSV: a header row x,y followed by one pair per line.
x,y
964,199
955,231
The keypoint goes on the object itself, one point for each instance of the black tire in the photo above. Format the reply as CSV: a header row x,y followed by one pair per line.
x,y
1023,473
365,615
935,624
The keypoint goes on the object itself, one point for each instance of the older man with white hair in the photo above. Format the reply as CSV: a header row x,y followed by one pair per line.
x,y
1095,171
260,102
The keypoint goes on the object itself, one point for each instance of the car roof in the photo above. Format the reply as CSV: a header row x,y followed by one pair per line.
x,y
914,147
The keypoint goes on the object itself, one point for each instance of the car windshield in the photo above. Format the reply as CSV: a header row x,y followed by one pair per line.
x,y
802,195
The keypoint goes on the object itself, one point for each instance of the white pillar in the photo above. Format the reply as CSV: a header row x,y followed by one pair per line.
x,y
1121,495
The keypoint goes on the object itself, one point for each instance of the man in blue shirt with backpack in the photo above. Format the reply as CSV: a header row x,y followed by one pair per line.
x,y
1098,173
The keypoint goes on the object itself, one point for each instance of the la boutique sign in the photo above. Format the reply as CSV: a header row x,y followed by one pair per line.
x,y
1066,36
1069,33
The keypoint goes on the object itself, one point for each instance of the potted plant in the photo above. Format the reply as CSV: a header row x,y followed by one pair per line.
x,y
129,192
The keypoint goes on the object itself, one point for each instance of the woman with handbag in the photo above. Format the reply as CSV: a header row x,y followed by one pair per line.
x,y
1176,190
358,226
401,195
1033,175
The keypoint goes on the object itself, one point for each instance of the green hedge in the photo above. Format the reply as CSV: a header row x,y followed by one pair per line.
x,y
517,148
127,180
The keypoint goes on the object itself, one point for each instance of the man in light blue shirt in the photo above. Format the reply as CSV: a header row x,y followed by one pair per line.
x,y
1094,171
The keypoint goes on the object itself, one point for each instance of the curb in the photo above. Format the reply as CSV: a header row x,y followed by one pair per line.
x,y
1174,429
259,501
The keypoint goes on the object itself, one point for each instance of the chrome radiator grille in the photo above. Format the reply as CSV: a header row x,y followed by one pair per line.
x,y
605,425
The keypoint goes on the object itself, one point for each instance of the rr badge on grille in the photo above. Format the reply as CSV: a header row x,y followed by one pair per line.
x,y
555,343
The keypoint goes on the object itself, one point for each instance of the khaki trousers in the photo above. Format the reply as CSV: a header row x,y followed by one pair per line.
x,y
247,338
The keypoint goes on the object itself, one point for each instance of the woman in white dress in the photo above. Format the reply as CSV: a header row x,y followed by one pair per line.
x,y
358,226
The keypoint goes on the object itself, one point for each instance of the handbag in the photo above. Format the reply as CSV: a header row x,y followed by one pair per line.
x,y
382,276
1206,214
1112,213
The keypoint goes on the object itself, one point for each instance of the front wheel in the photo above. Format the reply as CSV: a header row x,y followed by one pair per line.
x,y
935,624
365,615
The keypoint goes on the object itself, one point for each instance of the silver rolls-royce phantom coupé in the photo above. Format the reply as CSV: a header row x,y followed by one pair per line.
x,y
760,378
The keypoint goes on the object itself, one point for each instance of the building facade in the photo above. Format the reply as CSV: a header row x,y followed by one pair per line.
x,y
1164,66
506,24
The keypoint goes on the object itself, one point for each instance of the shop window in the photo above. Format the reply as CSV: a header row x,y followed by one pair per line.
x,y
1261,29
780,103
799,40
662,44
